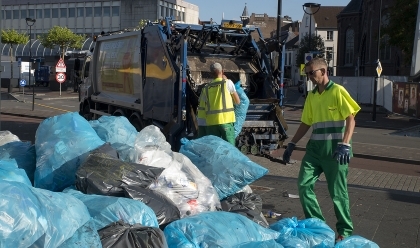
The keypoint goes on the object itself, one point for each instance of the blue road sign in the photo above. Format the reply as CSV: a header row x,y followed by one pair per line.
x,y
22,82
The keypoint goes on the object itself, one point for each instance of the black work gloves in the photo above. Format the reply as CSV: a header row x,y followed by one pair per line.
x,y
288,152
342,153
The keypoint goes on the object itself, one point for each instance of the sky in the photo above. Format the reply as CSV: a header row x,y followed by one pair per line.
x,y
232,9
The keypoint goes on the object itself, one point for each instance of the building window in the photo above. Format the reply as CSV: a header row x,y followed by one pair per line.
x,y
88,11
107,11
31,13
97,11
330,35
54,13
39,13
80,12
23,14
385,48
72,12
162,12
47,13
115,11
8,14
349,46
15,14
290,59
63,13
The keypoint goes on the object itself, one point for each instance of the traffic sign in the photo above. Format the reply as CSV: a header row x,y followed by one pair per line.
x,y
379,69
60,77
22,82
308,57
302,70
60,66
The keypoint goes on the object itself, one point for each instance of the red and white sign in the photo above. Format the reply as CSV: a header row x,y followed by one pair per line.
x,y
60,66
60,77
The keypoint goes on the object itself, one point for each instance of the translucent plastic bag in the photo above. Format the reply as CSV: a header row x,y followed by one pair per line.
x,y
45,218
181,181
241,108
108,209
7,137
62,142
216,229
118,131
23,153
24,215
85,237
9,171
227,168
308,233
356,241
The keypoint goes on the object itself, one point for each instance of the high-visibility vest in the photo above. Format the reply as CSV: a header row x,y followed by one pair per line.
x,y
216,104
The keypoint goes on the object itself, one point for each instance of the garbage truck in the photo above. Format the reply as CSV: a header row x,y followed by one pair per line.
x,y
154,75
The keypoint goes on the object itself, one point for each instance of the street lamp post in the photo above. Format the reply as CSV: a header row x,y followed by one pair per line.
x,y
30,22
310,5
378,63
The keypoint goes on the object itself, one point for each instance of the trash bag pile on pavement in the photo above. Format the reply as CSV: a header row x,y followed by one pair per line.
x,y
102,184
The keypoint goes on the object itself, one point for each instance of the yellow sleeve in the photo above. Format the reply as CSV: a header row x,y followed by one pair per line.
x,y
307,115
346,104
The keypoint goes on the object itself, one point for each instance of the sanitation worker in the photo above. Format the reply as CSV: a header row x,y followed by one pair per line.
x,y
330,111
216,114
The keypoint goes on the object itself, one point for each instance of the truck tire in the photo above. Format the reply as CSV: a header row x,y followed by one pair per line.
x,y
136,120
86,112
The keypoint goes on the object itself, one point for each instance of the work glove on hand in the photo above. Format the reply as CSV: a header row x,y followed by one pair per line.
x,y
342,153
288,152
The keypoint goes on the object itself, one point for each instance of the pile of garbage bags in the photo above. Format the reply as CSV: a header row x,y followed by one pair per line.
x,y
103,184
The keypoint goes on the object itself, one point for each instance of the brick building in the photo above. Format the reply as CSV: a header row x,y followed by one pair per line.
x,y
358,28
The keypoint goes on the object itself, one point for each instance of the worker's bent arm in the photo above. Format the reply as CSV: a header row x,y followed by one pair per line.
x,y
348,132
235,98
302,130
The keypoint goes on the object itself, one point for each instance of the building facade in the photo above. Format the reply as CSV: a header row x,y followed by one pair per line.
x,y
323,22
89,17
359,47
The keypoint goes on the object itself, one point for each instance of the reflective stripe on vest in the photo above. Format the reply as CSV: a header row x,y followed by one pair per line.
x,y
328,130
218,104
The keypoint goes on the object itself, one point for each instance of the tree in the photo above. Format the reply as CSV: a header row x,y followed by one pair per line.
x,y
62,37
12,37
401,26
317,44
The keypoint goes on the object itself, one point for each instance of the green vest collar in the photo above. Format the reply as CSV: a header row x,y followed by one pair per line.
x,y
329,85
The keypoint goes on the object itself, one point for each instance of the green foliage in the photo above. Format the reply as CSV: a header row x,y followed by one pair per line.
x,y
12,37
402,26
317,44
63,38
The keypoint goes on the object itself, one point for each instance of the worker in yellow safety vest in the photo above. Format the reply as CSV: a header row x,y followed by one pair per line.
x,y
216,114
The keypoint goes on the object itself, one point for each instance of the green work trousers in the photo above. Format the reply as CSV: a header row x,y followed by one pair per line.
x,y
336,175
224,131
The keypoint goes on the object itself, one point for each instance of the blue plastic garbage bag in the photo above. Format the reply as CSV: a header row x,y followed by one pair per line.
x,y
46,219
9,171
118,131
21,215
241,108
23,153
108,209
85,237
227,168
260,244
62,142
64,215
308,233
216,229
356,241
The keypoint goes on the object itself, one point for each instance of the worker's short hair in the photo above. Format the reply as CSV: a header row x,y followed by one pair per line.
x,y
216,67
320,62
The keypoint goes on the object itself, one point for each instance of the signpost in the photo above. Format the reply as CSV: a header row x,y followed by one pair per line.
x,y
60,69
22,83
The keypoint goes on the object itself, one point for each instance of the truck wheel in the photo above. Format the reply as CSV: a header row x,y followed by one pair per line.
x,y
86,113
137,121
45,84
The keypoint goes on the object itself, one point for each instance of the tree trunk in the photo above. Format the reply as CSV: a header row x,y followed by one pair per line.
x,y
11,62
